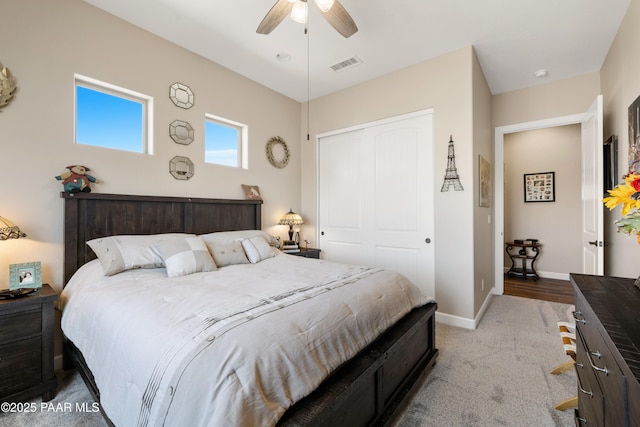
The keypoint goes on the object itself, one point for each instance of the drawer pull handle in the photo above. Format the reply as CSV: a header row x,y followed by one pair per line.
x,y
588,393
575,317
597,368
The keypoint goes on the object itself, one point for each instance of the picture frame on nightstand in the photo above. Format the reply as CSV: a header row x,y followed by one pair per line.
x,y
25,275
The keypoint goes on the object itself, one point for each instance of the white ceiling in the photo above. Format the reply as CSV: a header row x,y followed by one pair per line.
x,y
513,38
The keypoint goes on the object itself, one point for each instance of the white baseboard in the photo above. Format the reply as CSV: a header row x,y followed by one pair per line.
x,y
463,322
550,275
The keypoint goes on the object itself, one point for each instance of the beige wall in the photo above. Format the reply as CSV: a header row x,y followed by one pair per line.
x,y
620,87
444,84
483,216
556,99
555,224
43,44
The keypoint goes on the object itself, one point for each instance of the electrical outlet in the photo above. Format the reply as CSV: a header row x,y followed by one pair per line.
x,y
483,284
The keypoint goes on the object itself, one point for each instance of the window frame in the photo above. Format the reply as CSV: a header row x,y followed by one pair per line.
x,y
242,143
110,89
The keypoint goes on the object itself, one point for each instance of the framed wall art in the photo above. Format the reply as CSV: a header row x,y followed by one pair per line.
x,y
25,275
539,187
485,182
610,160
634,136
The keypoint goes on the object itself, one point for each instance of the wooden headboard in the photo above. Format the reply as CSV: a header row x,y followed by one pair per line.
x,y
91,215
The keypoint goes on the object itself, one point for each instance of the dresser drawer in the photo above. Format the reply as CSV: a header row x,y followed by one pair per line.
x,y
20,365
590,396
14,326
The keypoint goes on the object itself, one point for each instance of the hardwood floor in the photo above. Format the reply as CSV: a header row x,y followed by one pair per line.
x,y
543,289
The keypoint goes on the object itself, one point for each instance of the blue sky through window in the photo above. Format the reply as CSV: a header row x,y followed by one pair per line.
x,y
110,121
221,144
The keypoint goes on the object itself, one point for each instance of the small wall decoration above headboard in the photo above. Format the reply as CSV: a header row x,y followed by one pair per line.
x,y
7,86
283,161
181,132
181,95
181,168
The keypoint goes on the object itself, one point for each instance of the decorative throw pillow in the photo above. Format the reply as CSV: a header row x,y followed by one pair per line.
x,y
228,254
126,252
257,249
224,237
186,256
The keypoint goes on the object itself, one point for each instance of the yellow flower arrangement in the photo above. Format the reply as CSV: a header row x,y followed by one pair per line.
x,y
627,195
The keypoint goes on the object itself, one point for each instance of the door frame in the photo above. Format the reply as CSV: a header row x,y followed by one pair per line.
x,y
498,161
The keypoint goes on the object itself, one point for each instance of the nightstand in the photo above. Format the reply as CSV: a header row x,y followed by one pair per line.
x,y
308,253
26,347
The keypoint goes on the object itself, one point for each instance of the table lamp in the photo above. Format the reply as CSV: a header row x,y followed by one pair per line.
x,y
9,230
291,218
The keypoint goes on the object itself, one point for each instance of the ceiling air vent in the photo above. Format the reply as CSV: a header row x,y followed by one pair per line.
x,y
347,63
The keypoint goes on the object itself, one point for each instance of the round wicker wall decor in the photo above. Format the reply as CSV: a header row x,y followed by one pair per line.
x,y
284,160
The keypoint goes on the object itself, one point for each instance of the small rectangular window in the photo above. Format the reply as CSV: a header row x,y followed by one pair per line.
x,y
225,142
112,117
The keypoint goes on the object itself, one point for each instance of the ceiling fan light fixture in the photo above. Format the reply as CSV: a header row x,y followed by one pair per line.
x,y
299,12
325,5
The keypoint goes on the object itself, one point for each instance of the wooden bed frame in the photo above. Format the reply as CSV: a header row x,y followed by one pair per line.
x,y
368,390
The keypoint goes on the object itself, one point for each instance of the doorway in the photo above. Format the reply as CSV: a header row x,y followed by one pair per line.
x,y
591,154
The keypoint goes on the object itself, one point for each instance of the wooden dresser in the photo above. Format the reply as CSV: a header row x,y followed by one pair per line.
x,y
607,321
26,347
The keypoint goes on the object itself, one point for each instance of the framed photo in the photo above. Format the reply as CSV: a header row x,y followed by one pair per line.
x,y
539,187
485,183
25,275
251,192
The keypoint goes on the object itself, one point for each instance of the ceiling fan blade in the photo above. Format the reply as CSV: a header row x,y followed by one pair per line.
x,y
340,19
274,17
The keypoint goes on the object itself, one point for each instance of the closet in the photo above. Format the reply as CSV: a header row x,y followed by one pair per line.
x,y
376,196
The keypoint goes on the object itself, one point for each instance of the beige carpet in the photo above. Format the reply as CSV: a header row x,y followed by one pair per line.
x,y
497,375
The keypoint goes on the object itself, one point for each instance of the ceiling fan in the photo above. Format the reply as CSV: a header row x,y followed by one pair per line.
x,y
332,11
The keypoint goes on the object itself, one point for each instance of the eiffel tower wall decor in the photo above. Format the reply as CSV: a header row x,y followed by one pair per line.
x,y
451,177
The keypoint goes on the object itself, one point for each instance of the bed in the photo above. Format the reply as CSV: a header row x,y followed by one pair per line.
x,y
367,389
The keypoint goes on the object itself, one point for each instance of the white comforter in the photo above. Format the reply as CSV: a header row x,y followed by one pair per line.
x,y
233,347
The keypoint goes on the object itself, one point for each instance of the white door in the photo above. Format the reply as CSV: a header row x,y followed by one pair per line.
x,y
376,197
592,191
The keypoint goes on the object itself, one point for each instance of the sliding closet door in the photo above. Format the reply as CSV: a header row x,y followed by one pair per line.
x,y
376,197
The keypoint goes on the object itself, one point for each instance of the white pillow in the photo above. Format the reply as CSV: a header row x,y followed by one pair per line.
x,y
228,254
126,252
186,256
257,249
224,237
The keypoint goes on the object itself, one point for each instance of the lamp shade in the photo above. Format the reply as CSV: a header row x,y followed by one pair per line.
x,y
9,230
291,218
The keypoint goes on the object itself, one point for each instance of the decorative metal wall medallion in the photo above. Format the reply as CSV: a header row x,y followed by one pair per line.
x,y
7,86
181,132
181,168
181,95
284,160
